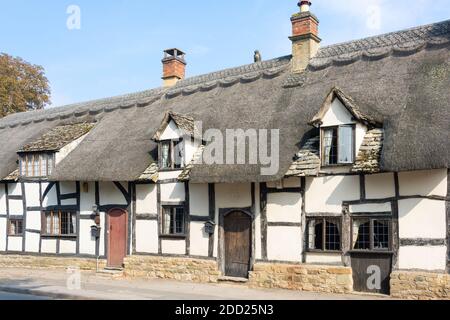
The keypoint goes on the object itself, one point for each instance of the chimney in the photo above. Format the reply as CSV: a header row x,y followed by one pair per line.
x,y
305,40
174,67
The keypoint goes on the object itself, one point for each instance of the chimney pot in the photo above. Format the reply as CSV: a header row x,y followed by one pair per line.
x,y
257,56
174,66
304,6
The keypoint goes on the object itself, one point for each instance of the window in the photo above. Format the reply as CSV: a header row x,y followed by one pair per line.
x,y
338,145
59,223
172,154
36,165
15,227
173,222
371,234
324,234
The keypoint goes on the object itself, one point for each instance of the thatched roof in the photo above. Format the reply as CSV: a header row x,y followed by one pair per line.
x,y
58,137
400,80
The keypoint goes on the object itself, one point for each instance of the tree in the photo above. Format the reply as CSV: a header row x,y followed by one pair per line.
x,y
23,86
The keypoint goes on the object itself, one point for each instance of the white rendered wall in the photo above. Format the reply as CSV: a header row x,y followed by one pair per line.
x,y
48,246
284,207
147,236
14,189
423,183
146,199
171,133
199,199
2,200
422,218
177,247
3,234
284,243
172,192
110,194
423,258
371,207
326,194
15,244
380,186
337,115
68,246
51,198
33,221
15,207
199,240
32,195
324,258
32,242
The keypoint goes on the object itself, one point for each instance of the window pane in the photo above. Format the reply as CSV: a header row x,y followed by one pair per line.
x,y
167,221
346,144
49,164
179,154
43,165
361,234
30,165
36,167
381,234
56,224
49,223
330,146
165,155
332,237
73,223
179,212
23,163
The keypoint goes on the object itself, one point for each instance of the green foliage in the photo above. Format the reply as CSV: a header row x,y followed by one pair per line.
x,y
23,86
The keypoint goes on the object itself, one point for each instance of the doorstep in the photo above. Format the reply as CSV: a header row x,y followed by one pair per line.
x,y
232,279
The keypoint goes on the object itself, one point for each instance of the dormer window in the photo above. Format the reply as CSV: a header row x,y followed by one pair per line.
x,y
36,165
338,145
171,155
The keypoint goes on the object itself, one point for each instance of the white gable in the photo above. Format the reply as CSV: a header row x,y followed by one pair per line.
x,y
337,115
172,132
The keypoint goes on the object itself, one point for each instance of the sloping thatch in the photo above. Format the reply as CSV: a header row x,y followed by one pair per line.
x,y
399,81
58,137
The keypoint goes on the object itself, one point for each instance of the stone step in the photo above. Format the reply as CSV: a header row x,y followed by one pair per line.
x,y
111,273
232,280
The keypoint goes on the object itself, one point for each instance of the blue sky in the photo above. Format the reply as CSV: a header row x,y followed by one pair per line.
x,y
119,46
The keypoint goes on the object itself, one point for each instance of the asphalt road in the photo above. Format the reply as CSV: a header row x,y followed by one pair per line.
x,y
14,296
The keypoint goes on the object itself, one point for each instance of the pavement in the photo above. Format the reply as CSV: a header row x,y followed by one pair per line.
x,y
26,284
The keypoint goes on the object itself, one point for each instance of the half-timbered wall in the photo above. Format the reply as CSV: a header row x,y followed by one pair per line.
x,y
29,199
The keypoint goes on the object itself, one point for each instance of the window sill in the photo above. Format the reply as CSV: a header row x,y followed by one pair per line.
x,y
332,166
50,236
368,251
171,170
324,251
173,236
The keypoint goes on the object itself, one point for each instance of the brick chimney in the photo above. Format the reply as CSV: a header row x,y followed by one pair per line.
x,y
174,67
305,40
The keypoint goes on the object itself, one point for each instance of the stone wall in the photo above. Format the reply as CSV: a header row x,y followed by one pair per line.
x,y
302,277
420,285
49,262
182,269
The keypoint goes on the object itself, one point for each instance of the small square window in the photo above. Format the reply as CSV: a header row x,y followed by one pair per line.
x,y
59,223
172,154
173,222
324,234
371,234
338,145
15,227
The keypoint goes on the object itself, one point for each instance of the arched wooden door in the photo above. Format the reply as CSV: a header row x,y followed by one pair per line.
x,y
117,237
238,239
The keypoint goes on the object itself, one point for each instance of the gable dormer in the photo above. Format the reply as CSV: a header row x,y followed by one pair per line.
x,y
175,139
38,158
342,130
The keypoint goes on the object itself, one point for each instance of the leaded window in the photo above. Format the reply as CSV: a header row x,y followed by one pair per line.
x,y
59,223
173,222
36,165
338,145
324,234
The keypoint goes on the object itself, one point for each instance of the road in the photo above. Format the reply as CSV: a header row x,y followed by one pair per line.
x,y
14,296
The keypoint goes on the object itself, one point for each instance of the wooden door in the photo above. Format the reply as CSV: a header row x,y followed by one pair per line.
x,y
117,237
363,268
238,235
